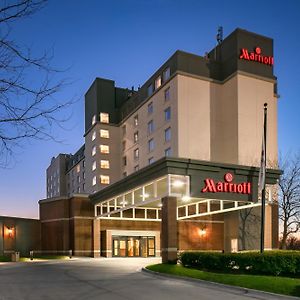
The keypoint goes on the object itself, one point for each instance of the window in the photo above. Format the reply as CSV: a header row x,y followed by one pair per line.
x,y
124,174
104,164
150,127
94,135
124,129
94,180
78,168
136,168
157,82
83,163
166,74
150,90
104,117
94,166
104,149
136,120
167,94
94,150
150,108
150,160
168,152
136,153
78,189
151,145
104,133
168,134
83,175
136,137
83,187
78,179
123,145
124,160
104,179
93,119
168,114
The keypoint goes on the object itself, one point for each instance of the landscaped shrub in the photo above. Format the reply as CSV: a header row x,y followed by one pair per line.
x,y
270,262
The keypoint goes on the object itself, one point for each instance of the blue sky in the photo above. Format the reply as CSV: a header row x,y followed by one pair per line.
x,y
127,40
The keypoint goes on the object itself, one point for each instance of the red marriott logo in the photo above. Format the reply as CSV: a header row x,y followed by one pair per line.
x,y
226,187
256,56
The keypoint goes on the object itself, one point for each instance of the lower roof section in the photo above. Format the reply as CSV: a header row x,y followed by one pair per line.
x,y
209,180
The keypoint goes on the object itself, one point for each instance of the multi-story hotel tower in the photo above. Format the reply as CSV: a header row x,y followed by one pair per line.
x,y
150,153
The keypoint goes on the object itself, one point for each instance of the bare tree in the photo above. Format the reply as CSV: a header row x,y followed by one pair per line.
x,y
289,198
28,106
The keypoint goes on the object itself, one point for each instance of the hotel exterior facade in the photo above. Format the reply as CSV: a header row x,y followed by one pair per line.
x,y
174,165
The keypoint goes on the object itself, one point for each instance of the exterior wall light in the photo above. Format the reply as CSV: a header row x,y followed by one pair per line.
x,y
202,232
10,231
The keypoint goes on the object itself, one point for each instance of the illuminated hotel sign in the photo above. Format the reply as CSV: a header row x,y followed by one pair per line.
x,y
226,186
256,56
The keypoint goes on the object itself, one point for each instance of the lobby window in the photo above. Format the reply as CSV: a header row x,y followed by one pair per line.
x,y
150,90
104,149
104,117
168,152
104,179
94,135
150,108
136,168
104,133
124,160
151,160
157,82
168,134
94,166
94,150
136,136
136,120
94,180
93,119
136,153
151,145
167,94
150,127
104,164
123,145
166,74
78,168
168,114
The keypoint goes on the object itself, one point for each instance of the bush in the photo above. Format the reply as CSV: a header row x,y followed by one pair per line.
x,y
270,263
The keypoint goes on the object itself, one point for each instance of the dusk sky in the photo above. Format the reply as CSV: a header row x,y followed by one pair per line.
x,y
126,41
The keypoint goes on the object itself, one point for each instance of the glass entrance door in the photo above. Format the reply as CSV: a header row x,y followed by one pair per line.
x,y
129,246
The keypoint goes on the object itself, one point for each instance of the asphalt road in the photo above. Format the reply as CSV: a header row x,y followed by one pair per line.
x,y
104,279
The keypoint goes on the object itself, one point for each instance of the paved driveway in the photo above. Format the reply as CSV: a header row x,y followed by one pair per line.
x,y
103,279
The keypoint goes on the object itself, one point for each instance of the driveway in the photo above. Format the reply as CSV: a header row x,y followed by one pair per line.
x,y
109,279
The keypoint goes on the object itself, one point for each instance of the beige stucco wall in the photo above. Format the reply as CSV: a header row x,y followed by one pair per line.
x,y
193,100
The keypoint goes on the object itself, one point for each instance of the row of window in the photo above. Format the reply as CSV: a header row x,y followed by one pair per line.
x,y
104,118
103,134
104,149
104,164
159,81
104,179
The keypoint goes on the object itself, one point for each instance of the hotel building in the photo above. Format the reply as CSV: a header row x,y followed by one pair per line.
x,y
173,165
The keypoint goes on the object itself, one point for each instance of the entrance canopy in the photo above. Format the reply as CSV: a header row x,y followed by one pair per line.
x,y
201,189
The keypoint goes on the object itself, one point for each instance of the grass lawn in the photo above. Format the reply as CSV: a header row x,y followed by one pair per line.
x,y
278,285
4,258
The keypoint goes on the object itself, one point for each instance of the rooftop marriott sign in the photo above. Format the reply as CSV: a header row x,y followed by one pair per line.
x,y
226,187
256,56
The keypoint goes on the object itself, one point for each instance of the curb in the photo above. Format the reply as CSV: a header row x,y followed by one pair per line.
x,y
234,289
